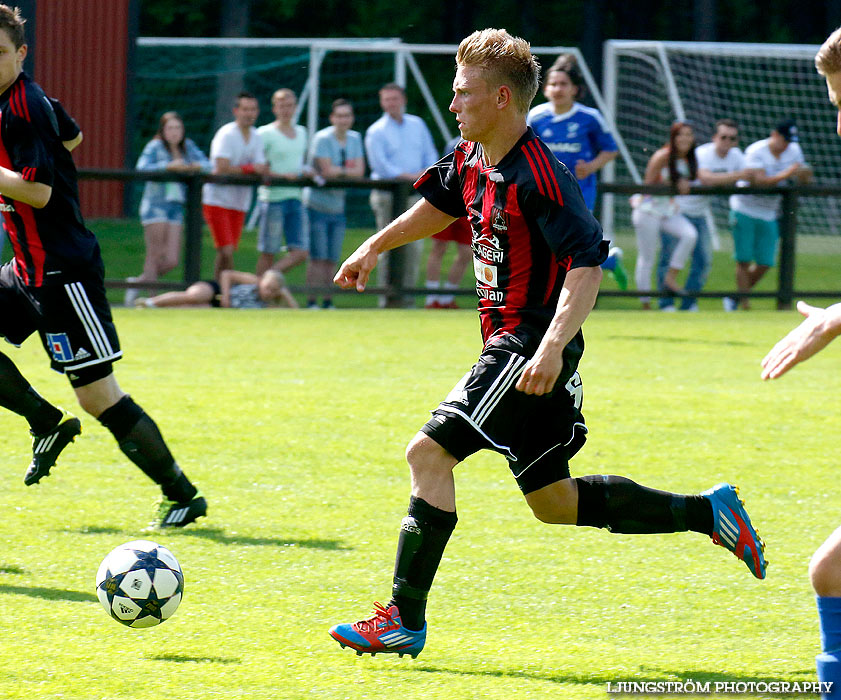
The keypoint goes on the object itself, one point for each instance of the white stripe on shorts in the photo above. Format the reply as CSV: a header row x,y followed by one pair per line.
x,y
507,377
87,315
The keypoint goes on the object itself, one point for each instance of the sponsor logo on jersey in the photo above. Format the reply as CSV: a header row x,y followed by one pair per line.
x,y
494,295
59,345
6,207
564,147
572,130
486,274
81,354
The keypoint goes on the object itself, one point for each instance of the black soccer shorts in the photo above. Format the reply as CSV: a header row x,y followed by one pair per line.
x,y
537,434
73,319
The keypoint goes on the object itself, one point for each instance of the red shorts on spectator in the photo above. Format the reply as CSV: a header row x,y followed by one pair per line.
x,y
225,224
458,231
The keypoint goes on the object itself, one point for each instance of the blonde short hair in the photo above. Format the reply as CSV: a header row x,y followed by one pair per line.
x,y
828,58
504,60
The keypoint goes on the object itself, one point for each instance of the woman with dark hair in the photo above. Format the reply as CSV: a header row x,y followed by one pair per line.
x,y
674,164
162,204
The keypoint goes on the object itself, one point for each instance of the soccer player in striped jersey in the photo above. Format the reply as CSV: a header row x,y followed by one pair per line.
x,y
818,329
537,251
55,284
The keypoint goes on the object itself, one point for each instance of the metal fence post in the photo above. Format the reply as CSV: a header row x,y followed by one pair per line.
x,y
398,257
193,230
788,234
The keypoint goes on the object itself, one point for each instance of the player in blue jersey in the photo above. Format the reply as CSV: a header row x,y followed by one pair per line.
x,y
578,136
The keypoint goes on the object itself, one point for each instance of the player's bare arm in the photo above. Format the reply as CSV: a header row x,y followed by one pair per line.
x,y
72,143
820,327
578,296
421,221
13,186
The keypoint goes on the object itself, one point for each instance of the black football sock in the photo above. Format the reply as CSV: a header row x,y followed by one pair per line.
x,y
424,533
623,506
141,441
18,396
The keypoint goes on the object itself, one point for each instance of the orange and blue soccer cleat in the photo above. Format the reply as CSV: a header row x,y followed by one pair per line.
x,y
732,528
382,633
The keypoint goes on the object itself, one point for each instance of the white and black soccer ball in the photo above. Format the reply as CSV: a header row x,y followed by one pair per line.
x,y
140,583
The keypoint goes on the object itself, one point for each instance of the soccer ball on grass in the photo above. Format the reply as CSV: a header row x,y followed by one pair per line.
x,y
140,583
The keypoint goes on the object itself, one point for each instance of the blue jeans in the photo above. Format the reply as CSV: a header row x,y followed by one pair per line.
x,y
327,232
699,267
278,220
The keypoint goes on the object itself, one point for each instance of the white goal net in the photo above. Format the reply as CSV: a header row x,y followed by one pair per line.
x,y
648,84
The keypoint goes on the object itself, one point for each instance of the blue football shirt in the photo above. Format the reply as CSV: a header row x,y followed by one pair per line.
x,y
579,134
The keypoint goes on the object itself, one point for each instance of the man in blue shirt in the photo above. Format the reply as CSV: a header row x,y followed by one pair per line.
x,y
578,136
398,146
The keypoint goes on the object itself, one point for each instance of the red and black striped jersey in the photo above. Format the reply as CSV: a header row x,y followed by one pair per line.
x,y
530,227
53,240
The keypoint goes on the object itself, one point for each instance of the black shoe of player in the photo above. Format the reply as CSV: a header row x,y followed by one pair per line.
x,y
47,447
171,514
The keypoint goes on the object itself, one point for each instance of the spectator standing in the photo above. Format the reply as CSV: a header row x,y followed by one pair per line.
x,y
720,162
281,208
771,161
672,164
336,152
236,149
162,203
460,233
399,146
578,136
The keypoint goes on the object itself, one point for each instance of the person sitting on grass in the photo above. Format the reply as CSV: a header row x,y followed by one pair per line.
x,y
235,290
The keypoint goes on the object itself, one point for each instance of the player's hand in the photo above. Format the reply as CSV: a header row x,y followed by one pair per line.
x,y
683,185
356,270
811,336
541,373
582,169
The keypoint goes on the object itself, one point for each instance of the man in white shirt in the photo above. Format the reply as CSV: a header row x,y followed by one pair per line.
x,y
281,208
771,161
720,163
398,146
236,149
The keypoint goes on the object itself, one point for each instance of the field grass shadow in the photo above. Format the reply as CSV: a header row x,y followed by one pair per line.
x,y
679,341
11,569
184,659
49,593
216,534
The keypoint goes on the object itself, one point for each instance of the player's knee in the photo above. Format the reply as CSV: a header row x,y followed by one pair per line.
x,y
425,455
825,573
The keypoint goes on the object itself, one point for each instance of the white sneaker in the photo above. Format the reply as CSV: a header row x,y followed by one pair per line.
x,y
729,304
670,309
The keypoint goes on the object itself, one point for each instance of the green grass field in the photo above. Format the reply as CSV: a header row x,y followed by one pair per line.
x,y
294,426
